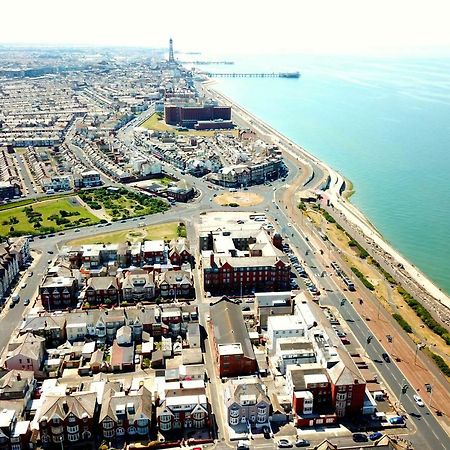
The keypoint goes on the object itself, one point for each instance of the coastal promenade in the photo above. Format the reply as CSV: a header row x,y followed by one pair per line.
x,y
412,278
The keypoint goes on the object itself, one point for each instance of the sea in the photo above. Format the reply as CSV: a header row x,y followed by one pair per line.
x,y
383,123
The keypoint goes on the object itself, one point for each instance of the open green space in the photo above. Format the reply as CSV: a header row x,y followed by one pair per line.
x,y
46,216
122,203
156,122
166,231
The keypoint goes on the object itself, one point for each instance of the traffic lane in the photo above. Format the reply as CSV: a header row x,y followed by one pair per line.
x,y
394,378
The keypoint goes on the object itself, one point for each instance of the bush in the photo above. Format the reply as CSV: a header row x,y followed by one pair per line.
x,y
181,231
362,252
329,218
443,366
302,206
425,315
363,279
402,322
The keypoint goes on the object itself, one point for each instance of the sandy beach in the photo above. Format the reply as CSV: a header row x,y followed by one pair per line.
x,y
338,199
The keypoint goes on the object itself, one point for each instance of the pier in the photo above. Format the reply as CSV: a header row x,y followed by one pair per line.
x,y
256,75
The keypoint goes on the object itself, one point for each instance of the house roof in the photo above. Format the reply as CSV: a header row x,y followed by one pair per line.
x,y
177,277
229,326
79,404
246,388
345,371
102,283
28,345
121,354
133,406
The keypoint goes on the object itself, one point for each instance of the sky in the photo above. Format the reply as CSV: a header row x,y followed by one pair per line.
x,y
235,26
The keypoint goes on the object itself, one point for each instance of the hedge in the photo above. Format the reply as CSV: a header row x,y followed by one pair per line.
x,y
363,279
425,315
402,322
443,366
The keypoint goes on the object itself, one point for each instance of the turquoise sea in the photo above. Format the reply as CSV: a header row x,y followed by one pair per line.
x,y
384,123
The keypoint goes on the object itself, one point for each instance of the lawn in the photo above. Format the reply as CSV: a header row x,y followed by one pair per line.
x,y
123,203
164,231
75,215
157,124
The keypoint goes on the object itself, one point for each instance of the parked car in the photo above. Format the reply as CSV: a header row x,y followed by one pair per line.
x,y
359,437
385,356
396,420
284,443
301,443
242,445
418,400
375,436
26,301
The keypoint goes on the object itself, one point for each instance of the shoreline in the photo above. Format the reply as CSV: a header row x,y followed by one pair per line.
x,y
340,200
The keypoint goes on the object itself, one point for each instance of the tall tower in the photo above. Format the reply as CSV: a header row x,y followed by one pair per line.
x,y
171,58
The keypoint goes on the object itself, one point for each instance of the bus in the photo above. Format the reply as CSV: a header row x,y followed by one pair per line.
x,y
349,284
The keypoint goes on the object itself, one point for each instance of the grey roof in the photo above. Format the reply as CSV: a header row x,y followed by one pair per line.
x,y
229,325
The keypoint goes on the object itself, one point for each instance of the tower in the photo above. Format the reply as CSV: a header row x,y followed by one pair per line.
x,y
171,58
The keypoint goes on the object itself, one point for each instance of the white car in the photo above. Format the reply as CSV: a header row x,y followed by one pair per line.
x,y
418,400
289,224
284,443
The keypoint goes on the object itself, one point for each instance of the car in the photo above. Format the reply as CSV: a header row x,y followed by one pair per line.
x,y
418,400
50,252
385,356
243,445
375,436
30,273
61,234
301,443
396,420
11,305
289,224
341,333
345,340
284,443
100,225
23,286
77,230
359,437
26,301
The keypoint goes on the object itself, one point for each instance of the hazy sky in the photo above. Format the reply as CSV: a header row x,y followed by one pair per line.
x,y
311,26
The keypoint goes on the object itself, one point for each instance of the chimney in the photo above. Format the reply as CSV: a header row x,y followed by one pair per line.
x,y
19,377
65,406
211,259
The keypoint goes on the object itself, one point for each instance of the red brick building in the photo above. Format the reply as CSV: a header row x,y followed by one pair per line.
x,y
101,289
189,115
233,350
228,274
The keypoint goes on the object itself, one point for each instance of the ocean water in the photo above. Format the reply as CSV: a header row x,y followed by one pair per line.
x,y
382,123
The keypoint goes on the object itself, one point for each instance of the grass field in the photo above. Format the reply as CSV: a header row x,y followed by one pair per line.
x,y
160,231
157,124
47,208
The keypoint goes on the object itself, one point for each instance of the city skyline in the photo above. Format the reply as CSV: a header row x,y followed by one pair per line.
x,y
349,27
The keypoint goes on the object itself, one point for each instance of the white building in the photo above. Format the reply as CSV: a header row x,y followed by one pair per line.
x,y
282,327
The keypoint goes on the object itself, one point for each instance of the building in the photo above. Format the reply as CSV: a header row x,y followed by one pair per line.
x,y
14,434
233,350
138,285
189,116
182,411
57,183
242,261
122,357
9,190
176,284
102,290
25,353
272,304
283,327
154,252
9,268
21,248
90,178
247,402
67,418
50,327
58,292
125,416
293,351
180,252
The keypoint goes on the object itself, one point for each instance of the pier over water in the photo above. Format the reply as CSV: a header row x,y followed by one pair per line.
x,y
255,75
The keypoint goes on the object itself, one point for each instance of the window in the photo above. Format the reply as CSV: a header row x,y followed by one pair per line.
x,y
56,420
73,437
72,429
165,418
108,433
234,412
132,430
341,397
164,426
108,424
234,420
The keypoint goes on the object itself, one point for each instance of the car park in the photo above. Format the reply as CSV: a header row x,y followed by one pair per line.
x,y
375,436
418,400
359,437
284,443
